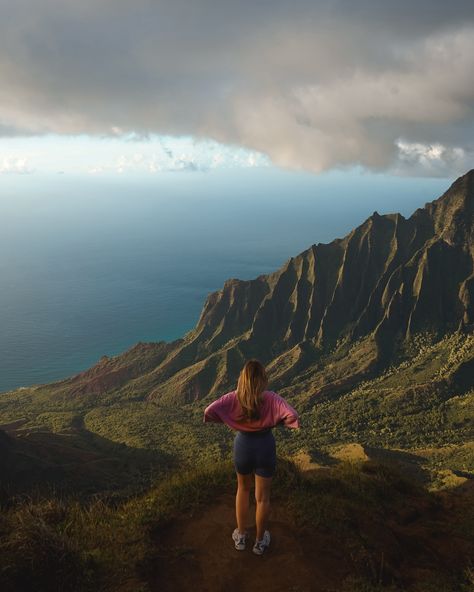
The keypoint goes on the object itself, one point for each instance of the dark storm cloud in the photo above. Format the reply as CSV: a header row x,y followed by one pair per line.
x,y
312,84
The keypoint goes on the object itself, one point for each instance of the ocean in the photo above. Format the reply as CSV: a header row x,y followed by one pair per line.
x,y
91,265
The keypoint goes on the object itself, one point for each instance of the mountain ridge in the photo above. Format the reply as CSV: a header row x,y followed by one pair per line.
x,y
387,279
378,278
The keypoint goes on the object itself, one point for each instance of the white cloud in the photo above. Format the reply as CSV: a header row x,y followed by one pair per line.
x,y
15,164
111,156
179,154
434,159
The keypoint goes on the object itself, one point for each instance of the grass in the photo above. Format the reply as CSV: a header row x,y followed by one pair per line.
x,y
66,544
109,544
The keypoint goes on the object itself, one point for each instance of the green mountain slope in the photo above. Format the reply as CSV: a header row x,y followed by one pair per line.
x,y
369,336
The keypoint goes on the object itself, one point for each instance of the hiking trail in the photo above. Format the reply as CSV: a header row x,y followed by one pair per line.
x,y
196,552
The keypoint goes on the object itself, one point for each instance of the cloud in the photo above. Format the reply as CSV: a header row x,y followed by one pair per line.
x,y
312,84
14,164
180,154
434,159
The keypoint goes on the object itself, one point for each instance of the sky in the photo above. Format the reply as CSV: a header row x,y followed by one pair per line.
x,y
114,86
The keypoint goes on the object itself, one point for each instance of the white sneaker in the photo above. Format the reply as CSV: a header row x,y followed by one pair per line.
x,y
239,539
260,546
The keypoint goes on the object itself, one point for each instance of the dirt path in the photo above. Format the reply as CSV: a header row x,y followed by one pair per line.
x,y
196,553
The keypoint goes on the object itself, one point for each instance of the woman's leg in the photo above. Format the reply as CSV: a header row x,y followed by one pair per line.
x,y
262,499
244,482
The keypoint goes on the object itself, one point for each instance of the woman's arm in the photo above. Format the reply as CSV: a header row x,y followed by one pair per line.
x,y
287,415
213,412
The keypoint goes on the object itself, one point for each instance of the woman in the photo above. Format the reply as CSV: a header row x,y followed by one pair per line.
x,y
253,412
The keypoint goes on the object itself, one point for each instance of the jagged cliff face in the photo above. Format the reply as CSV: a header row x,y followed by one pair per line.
x,y
388,279
388,275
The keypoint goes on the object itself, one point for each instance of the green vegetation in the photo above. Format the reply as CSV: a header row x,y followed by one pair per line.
x,y
412,405
367,510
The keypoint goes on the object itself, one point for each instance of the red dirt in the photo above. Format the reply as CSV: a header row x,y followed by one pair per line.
x,y
196,552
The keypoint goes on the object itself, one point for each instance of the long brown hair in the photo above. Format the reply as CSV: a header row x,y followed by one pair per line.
x,y
251,384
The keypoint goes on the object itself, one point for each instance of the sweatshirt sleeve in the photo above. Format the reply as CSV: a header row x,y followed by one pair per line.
x,y
287,415
215,411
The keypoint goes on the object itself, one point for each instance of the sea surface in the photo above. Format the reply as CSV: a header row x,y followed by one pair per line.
x,y
91,265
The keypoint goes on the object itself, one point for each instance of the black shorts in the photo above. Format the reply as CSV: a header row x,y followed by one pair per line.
x,y
255,451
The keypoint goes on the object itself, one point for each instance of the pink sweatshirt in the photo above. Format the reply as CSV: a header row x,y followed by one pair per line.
x,y
274,409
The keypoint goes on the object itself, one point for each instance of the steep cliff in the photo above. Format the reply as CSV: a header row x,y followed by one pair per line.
x,y
387,280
